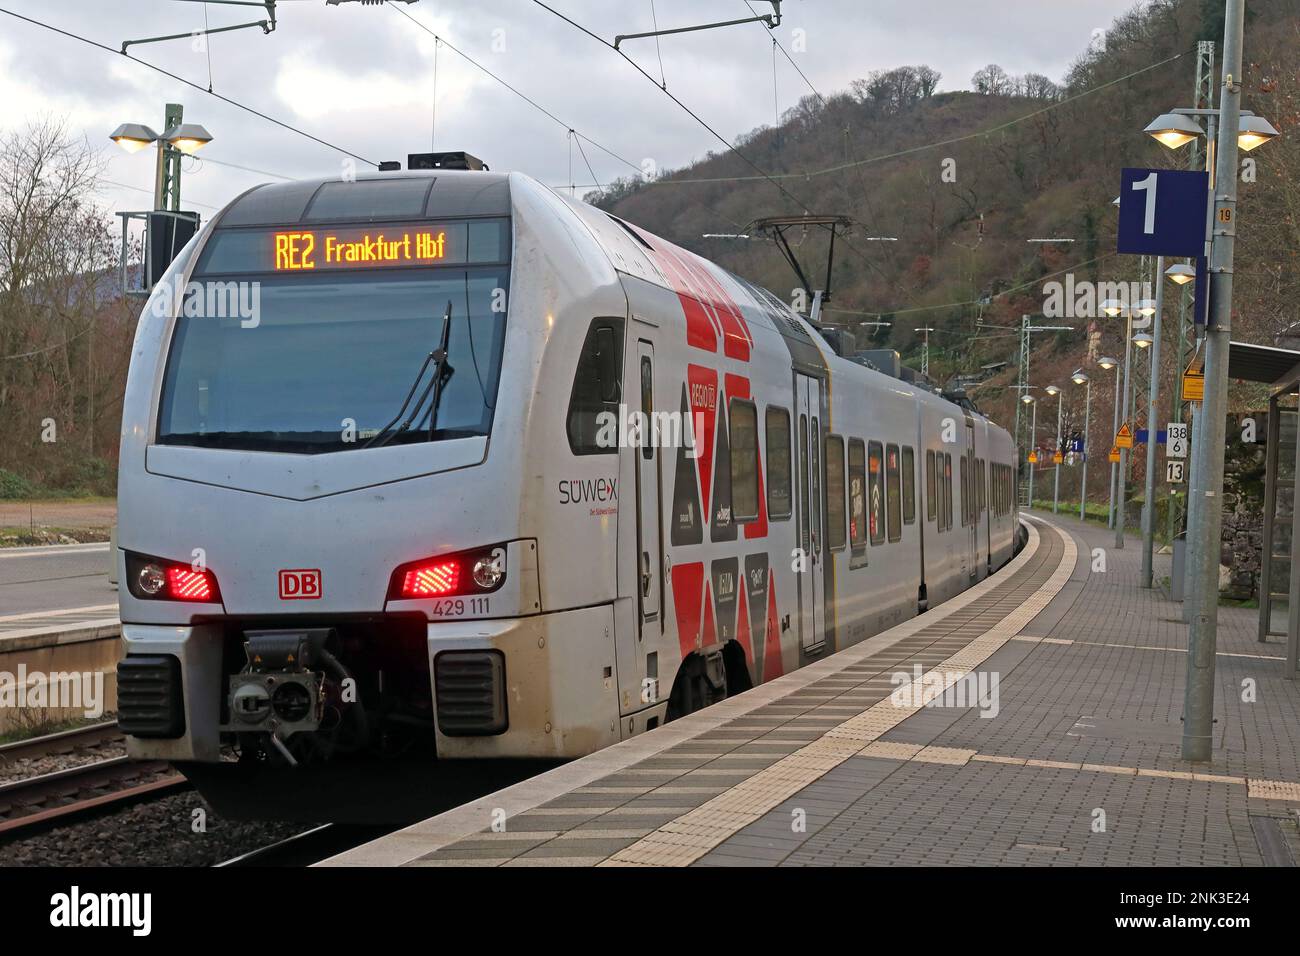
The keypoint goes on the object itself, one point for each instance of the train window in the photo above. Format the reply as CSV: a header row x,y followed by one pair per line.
x,y
965,491
931,509
835,492
778,463
983,488
893,495
815,495
909,485
337,348
857,494
743,424
597,388
875,494
803,485
647,405
948,492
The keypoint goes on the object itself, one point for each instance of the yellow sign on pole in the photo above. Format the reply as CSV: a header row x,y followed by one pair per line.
x,y
1058,458
1033,457
1193,384
1125,437
1114,456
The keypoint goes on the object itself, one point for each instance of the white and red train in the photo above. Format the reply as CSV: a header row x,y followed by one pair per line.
x,y
385,499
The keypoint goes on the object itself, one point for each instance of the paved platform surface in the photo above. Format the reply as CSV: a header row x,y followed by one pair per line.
x,y
1036,723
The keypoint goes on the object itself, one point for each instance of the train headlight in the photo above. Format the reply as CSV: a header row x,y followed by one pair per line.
x,y
490,569
151,579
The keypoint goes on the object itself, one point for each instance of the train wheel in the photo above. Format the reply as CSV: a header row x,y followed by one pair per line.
x,y
701,681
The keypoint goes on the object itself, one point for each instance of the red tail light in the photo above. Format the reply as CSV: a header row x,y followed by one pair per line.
x,y
431,580
186,584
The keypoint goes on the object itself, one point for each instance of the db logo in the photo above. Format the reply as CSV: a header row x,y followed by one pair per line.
x,y
300,584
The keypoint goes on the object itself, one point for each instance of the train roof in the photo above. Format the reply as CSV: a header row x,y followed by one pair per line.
x,y
373,197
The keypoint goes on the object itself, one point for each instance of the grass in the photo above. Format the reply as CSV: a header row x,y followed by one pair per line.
x,y
41,725
21,537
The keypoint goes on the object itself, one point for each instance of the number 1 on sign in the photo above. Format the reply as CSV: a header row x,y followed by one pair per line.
x,y
1148,186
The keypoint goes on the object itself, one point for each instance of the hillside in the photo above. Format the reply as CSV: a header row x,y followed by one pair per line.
x,y
1023,158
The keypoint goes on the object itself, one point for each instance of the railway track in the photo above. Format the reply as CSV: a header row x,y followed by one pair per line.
x,y
33,802
77,740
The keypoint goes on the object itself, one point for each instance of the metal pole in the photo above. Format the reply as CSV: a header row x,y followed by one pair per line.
x,y
1056,483
1153,397
1193,511
1114,466
1120,486
1087,449
1033,449
1198,700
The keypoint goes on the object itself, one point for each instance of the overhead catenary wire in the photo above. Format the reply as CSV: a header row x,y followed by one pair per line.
x,y
523,96
190,83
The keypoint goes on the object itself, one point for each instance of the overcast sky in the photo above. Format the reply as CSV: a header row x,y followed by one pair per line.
x,y
362,77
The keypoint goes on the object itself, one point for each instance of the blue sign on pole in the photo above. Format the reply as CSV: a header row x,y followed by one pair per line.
x,y
1162,212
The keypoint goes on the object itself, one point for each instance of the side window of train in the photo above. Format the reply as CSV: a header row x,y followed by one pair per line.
x,y
965,491
893,493
778,464
875,493
857,495
909,485
983,487
835,492
647,403
597,387
743,425
948,492
931,509
804,542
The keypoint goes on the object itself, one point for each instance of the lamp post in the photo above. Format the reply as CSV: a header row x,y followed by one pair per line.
x,y
1153,398
1116,309
1056,483
1033,442
1108,364
177,139
1080,377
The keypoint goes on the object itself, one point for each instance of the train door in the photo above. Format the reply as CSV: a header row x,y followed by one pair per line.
x,y
812,583
649,542
970,504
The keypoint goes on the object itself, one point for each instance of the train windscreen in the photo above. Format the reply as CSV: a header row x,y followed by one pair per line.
x,y
334,359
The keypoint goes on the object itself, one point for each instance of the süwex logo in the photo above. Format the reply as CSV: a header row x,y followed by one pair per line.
x,y
588,490
75,909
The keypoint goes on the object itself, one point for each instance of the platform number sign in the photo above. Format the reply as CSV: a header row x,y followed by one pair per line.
x,y
1176,447
1174,468
1162,212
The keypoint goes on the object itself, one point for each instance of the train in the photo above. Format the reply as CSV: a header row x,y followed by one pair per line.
x,y
447,462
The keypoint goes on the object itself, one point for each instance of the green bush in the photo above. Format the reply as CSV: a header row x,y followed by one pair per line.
x,y
14,486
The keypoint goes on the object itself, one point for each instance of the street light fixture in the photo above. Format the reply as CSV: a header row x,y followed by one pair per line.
x,y
1173,130
189,138
1254,131
133,137
1180,273
1107,363
1142,340
1177,129
1113,307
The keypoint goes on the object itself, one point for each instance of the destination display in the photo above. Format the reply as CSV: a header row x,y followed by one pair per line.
x,y
356,248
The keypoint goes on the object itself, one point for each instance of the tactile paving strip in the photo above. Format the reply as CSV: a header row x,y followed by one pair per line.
x,y
688,837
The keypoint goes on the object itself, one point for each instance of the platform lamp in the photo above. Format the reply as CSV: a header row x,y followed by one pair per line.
x,y
1080,377
1108,364
1055,392
1033,441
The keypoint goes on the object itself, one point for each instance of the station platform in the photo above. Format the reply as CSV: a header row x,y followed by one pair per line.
x,y
1070,755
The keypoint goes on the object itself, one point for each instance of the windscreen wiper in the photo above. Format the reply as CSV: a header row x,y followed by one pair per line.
x,y
441,371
